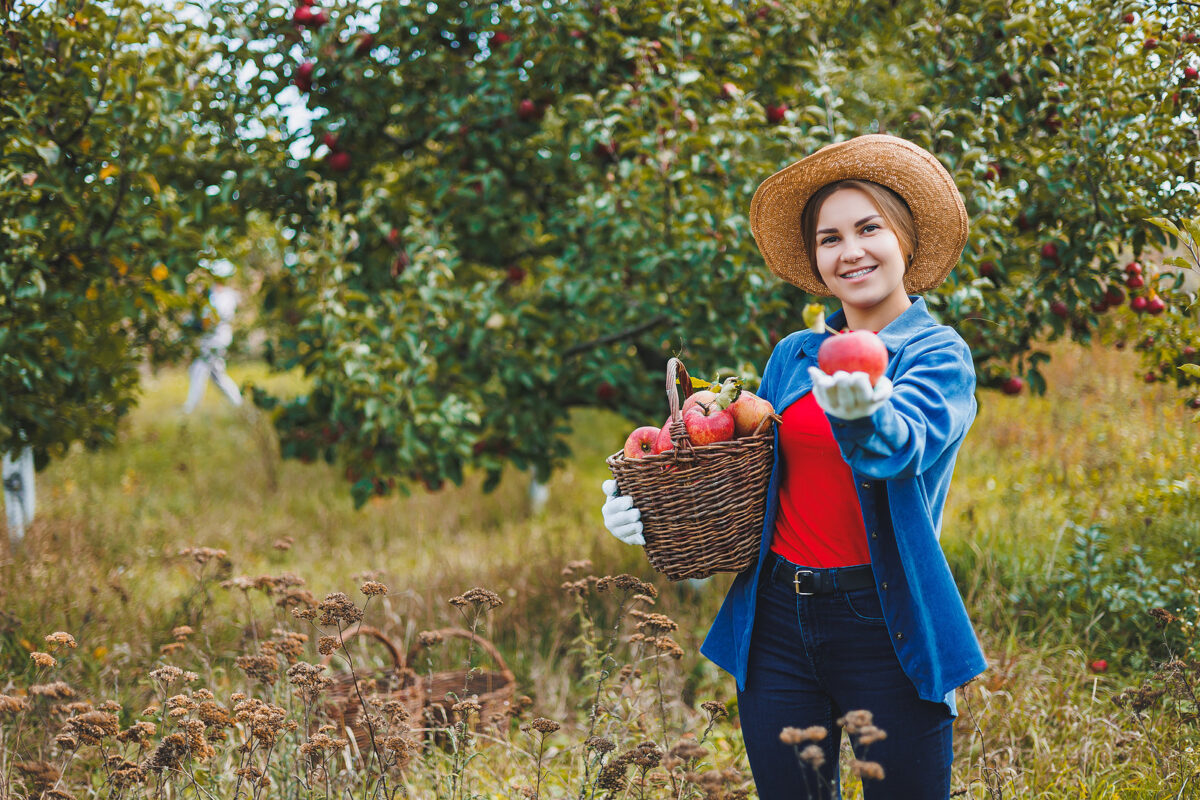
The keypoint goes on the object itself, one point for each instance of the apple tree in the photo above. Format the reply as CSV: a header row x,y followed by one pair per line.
x,y
122,149
517,209
1068,125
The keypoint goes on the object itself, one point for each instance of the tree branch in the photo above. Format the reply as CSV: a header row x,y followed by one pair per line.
x,y
628,333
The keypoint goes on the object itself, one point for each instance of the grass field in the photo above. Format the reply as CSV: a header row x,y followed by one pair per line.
x,y
1073,515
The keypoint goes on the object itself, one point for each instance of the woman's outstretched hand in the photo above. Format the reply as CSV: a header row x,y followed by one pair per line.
x,y
620,517
849,395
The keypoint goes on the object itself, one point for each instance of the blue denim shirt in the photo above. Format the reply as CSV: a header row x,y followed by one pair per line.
x,y
902,457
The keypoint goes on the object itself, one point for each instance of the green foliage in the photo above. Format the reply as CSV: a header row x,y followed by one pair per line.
x,y
120,158
537,205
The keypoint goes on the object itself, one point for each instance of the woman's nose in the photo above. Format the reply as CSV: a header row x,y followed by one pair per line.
x,y
851,251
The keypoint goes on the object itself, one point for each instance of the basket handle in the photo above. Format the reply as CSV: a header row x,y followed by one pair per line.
x,y
762,423
677,376
484,643
398,660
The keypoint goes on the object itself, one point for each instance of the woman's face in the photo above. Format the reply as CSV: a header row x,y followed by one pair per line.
x,y
860,260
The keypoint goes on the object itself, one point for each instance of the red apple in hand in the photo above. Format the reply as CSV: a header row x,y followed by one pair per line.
x,y
856,351
708,425
749,410
641,442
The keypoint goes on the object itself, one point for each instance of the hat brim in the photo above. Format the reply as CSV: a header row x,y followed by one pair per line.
x,y
905,168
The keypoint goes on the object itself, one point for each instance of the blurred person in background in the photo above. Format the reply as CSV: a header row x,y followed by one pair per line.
x,y
216,320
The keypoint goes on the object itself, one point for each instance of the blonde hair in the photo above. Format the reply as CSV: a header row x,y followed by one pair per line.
x,y
890,205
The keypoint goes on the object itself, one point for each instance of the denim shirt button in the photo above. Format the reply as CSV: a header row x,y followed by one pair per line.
x,y
883,586
865,485
899,635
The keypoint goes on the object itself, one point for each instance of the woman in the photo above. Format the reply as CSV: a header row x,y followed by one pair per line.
x,y
851,604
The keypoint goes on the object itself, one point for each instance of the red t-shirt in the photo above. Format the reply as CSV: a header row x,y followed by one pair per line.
x,y
819,522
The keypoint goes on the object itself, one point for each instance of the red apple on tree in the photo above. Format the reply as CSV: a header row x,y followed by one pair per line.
x,y
1114,296
339,161
776,113
528,110
987,269
1128,19
1155,305
1138,304
856,351
304,75
1012,385
1134,281
364,45
641,442
1050,251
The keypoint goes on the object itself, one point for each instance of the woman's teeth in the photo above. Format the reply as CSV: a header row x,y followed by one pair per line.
x,y
858,273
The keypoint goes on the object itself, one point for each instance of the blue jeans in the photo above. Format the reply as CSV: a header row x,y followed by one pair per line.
x,y
814,658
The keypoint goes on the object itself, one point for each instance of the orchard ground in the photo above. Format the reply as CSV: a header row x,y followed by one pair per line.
x,y
1059,501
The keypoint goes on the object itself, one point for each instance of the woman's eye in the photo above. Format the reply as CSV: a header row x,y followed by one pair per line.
x,y
869,226
828,239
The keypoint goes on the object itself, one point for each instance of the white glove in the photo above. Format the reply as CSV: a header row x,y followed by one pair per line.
x,y
849,395
620,517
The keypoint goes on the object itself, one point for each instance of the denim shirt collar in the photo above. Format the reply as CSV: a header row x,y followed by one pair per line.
x,y
894,334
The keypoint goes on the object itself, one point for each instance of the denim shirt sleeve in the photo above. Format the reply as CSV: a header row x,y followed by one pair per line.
x,y
931,408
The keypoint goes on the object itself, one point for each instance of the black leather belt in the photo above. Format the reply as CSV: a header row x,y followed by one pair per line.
x,y
807,582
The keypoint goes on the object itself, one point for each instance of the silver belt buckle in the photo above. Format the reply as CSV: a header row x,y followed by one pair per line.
x,y
796,582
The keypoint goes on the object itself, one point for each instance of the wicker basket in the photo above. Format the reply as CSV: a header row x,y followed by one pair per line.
x,y
397,682
492,689
702,507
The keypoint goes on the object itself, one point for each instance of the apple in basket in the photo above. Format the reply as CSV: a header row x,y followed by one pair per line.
x,y
749,410
641,442
709,424
662,441
854,351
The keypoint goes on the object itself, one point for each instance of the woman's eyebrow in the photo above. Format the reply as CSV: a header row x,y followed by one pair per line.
x,y
860,222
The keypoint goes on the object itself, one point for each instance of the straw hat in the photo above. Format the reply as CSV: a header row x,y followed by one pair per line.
x,y
908,170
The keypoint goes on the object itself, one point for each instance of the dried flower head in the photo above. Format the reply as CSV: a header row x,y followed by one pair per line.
x,y
544,726
867,770
580,564
813,755
479,598
44,660
326,645
40,775
284,543
869,734
855,720
57,690
688,750
203,555
12,705
337,609
170,648
181,632
429,638
1162,617
600,745
575,588
138,733
169,753
260,667
92,727
60,639
714,709
626,583
373,589
167,674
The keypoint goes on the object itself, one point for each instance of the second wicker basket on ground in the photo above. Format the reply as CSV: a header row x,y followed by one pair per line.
x,y
702,508
492,688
